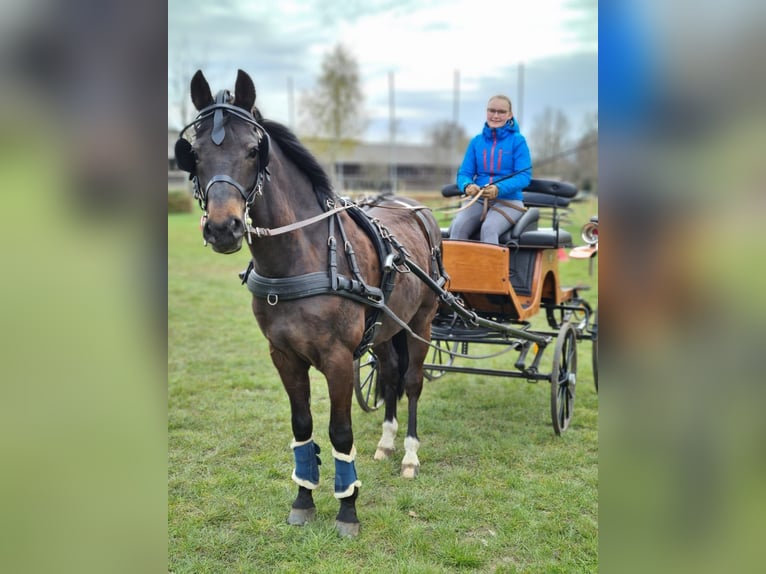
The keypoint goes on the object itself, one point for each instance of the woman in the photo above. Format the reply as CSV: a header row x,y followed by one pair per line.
x,y
491,157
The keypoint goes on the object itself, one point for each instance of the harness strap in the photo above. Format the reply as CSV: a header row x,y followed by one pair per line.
x,y
275,289
356,289
332,254
270,232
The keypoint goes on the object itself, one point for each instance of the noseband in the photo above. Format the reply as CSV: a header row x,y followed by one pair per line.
x,y
217,134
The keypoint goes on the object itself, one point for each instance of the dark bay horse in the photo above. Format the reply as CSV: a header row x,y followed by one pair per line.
x,y
322,282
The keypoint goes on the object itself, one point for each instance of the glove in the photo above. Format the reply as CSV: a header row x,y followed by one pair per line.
x,y
489,192
472,189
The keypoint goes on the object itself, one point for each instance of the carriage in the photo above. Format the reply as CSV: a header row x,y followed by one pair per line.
x,y
492,296
372,296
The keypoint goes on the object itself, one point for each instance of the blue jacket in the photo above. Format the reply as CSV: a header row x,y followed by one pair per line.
x,y
495,153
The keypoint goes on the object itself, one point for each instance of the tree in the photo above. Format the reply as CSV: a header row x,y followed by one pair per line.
x,y
182,63
587,155
447,140
548,139
334,110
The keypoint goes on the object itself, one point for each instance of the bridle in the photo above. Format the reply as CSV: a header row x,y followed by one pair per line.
x,y
218,132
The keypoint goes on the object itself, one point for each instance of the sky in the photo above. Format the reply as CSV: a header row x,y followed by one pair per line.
x,y
424,49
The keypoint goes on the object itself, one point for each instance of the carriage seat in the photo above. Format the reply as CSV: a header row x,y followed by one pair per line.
x,y
527,222
539,193
525,233
546,238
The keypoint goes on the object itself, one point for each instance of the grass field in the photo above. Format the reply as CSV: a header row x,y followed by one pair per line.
x,y
498,491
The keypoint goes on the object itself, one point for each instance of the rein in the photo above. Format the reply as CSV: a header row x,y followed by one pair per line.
x,y
270,232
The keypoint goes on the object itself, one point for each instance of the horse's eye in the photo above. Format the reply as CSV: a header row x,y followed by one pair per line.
x,y
252,152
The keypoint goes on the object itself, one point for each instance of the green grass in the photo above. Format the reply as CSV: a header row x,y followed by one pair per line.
x,y
497,490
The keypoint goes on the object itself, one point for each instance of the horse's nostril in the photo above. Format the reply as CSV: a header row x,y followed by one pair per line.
x,y
236,226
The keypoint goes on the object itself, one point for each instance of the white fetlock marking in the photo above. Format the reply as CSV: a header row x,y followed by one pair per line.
x,y
411,446
386,443
389,435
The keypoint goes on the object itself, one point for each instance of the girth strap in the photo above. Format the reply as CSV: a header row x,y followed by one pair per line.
x,y
306,285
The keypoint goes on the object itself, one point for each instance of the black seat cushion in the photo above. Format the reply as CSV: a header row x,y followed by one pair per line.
x,y
546,238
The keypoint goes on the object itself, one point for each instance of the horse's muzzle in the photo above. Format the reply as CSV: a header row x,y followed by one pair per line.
x,y
226,236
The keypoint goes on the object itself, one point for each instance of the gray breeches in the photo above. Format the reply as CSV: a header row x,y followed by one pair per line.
x,y
468,221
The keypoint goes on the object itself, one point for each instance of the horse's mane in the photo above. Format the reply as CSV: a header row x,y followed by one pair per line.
x,y
298,154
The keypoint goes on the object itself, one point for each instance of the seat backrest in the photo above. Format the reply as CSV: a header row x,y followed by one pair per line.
x,y
527,222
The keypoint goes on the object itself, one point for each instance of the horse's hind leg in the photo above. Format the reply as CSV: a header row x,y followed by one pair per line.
x,y
390,377
295,379
413,385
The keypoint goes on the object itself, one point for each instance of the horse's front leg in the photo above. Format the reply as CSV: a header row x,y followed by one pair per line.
x,y
340,376
295,379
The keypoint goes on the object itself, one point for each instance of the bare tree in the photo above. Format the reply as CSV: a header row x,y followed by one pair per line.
x,y
181,67
548,140
445,137
179,75
334,110
587,155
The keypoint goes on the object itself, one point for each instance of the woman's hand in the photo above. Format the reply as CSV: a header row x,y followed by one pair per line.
x,y
472,189
489,192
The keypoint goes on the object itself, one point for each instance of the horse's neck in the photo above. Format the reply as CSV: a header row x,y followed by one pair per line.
x,y
288,198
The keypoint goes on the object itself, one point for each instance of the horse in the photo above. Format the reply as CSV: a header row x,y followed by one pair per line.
x,y
316,307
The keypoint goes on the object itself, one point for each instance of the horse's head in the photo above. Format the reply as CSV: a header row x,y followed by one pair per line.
x,y
227,159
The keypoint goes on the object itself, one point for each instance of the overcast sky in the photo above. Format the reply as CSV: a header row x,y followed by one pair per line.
x,y
423,43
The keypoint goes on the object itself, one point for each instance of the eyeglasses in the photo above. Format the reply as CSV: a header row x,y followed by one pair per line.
x,y
492,112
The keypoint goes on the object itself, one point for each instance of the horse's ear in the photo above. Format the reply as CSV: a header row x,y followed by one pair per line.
x,y
244,91
201,95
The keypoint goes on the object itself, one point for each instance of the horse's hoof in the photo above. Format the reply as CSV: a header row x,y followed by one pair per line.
x,y
410,470
347,529
300,516
383,453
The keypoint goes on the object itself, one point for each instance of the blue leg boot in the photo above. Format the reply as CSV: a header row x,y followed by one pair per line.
x,y
306,473
345,473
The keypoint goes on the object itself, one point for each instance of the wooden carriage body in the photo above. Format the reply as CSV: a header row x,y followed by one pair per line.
x,y
512,279
503,281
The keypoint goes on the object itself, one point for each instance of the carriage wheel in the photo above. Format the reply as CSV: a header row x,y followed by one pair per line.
x,y
366,382
595,349
563,378
442,355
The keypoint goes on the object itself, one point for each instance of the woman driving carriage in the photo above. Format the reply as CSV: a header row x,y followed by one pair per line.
x,y
497,166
